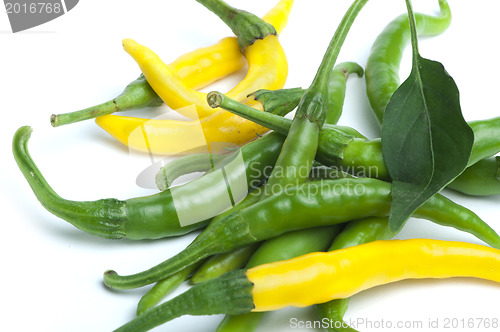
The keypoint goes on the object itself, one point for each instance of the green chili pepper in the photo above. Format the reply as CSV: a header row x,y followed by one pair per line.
x,y
481,179
176,168
217,265
163,288
334,311
345,148
355,233
337,88
382,67
299,149
310,205
286,246
158,215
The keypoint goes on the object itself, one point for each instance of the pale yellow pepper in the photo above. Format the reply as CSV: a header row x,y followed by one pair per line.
x,y
321,277
221,129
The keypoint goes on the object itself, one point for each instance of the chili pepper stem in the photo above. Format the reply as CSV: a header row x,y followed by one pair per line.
x,y
246,26
275,122
274,101
138,94
108,107
230,293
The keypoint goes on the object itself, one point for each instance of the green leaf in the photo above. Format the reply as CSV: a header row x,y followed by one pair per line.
x,y
426,142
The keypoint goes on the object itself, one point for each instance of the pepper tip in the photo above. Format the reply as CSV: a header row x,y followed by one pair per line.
x,y
109,274
128,44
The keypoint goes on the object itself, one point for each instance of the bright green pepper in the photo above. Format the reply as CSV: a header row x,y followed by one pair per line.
x,y
382,67
481,179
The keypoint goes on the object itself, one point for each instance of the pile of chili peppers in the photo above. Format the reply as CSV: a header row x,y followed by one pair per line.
x,y
313,231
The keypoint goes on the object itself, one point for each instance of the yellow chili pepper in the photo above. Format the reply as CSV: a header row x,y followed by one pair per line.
x,y
167,137
214,133
267,69
321,277
206,65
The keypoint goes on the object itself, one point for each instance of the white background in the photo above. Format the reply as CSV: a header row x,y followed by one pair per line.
x,y
51,272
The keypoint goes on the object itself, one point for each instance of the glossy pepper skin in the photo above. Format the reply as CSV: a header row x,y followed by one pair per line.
x,y
320,277
382,67
196,69
155,216
313,204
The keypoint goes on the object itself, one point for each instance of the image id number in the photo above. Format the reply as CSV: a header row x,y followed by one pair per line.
x,y
33,8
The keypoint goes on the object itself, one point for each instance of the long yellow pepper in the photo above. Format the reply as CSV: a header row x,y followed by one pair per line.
x,y
166,137
206,65
214,133
321,277
267,69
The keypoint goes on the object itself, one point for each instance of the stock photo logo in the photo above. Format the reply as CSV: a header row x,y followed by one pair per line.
x,y
26,14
